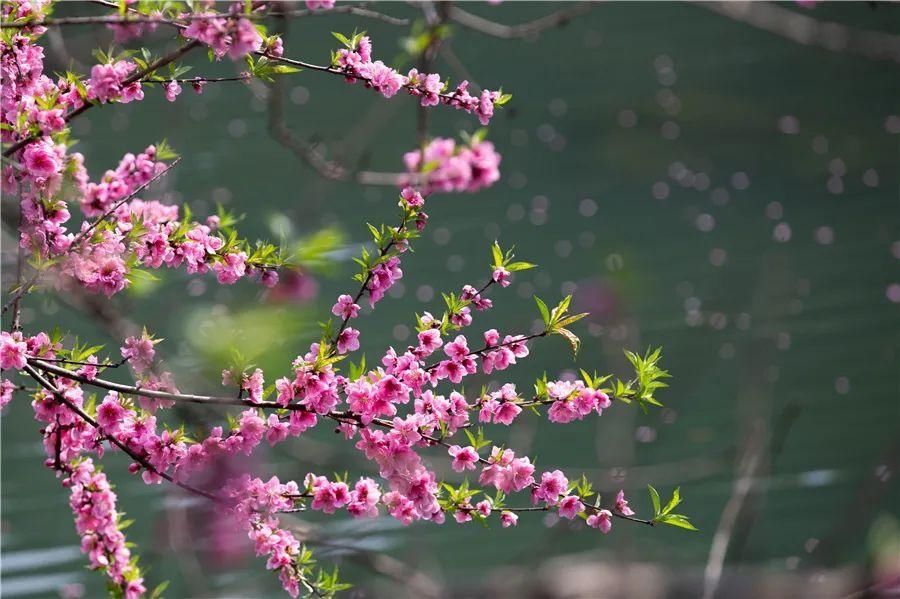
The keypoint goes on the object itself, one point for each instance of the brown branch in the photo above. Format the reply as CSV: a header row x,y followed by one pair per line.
x,y
808,31
530,29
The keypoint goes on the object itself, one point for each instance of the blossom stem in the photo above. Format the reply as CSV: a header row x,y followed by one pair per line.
x,y
407,215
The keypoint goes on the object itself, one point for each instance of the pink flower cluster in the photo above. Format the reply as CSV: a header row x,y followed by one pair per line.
x,y
131,173
316,386
231,35
413,494
102,266
357,65
506,472
442,166
13,350
139,352
573,400
94,504
255,502
109,82
500,406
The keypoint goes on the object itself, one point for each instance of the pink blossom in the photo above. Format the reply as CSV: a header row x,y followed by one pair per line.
x,y
508,519
275,47
483,508
464,458
452,167
570,506
110,413
231,268
552,485
276,430
382,78
89,370
622,504
429,341
12,350
41,160
501,276
6,392
412,197
244,40
507,472
602,520
254,384
506,413
319,4
345,308
108,82
364,499
328,496
173,90
285,390
457,349
251,428
139,351
348,340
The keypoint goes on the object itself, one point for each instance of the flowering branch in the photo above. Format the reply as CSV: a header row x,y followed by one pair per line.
x,y
391,412
134,19
83,235
85,106
59,396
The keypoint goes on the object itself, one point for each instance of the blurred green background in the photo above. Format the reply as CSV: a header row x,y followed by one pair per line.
x,y
697,183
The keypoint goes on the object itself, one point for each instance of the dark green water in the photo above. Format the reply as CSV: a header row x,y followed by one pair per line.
x,y
646,167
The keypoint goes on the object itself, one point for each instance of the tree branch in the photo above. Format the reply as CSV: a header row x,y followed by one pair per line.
x,y
532,28
808,31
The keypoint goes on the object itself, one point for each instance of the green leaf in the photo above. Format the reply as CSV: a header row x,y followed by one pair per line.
x,y
572,338
678,521
343,39
517,266
673,502
570,319
497,255
545,311
654,499
159,590
284,69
